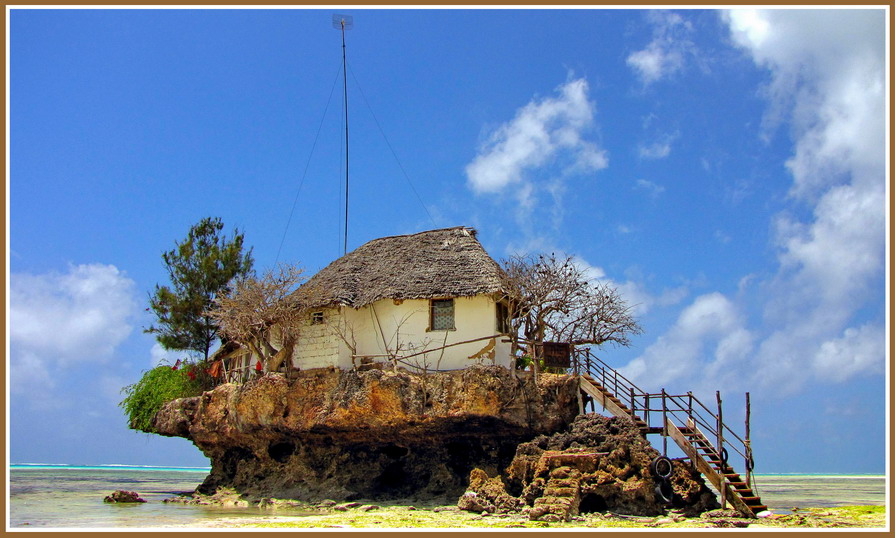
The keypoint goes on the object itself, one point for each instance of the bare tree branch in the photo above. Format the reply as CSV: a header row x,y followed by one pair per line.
x,y
264,313
552,299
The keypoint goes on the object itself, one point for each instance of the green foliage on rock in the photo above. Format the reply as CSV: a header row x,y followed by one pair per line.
x,y
200,268
162,384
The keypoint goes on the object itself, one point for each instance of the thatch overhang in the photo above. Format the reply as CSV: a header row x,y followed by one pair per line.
x,y
449,262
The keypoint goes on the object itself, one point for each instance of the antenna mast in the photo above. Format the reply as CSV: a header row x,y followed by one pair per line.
x,y
345,22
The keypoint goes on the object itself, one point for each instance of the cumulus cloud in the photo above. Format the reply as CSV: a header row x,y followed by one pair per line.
x,y
827,74
542,131
712,325
60,320
666,53
827,77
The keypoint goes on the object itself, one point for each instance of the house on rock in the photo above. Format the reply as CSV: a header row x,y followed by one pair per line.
x,y
430,301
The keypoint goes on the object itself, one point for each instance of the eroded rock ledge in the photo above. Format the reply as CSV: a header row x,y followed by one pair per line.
x,y
375,434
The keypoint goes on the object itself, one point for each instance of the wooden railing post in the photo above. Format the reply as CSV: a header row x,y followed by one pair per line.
x,y
633,404
690,405
720,445
646,409
664,424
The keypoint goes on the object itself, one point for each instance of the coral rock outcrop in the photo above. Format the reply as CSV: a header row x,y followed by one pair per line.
x,y
600,464
375,434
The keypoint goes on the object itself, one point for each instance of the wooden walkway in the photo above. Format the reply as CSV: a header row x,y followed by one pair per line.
x,y
699,432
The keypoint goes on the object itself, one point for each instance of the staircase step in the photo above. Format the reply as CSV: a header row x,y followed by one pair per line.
x,y
748,500
758,508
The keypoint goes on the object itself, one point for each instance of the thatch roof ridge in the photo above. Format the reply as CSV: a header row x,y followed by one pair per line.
x,y
447,262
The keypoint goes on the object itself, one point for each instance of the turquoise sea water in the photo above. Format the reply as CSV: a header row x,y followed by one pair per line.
x,y
64,496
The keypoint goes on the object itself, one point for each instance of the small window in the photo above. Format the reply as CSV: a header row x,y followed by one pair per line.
x,y
503,318
316,318
442,315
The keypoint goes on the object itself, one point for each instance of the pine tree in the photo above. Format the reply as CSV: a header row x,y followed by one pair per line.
x,y
200,268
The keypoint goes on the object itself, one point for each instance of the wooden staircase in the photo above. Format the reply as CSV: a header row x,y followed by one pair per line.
x,y
705,456
609,401
681,416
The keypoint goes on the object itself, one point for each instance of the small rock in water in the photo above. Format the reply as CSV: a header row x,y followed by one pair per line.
x,y
368,507
121,496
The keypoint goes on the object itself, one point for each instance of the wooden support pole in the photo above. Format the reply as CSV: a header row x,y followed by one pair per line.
x,y
748,443
580,399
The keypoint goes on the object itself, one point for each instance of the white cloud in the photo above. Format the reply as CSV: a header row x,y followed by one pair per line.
x,y
632,290
652,189
543,131
659,149
666,53
58,320
656,150
711,319
827,78
857,351
826,71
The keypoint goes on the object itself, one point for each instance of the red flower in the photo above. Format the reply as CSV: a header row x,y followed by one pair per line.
x,y
192,375
258,366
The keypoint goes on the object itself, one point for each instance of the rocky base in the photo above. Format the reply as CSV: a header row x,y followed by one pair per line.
x,y
600,465
121,496
348,435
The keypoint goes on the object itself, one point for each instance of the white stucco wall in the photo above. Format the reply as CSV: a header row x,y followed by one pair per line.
x,y
386,327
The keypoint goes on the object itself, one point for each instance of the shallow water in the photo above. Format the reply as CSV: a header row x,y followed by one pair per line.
x,y
784,492
66,497
71,497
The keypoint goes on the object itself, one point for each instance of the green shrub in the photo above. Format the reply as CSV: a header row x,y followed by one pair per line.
x,y
162,384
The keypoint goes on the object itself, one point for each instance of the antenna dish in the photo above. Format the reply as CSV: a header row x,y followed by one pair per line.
x,y
345,22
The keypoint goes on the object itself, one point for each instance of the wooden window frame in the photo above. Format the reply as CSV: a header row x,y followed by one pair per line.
x,y
504,324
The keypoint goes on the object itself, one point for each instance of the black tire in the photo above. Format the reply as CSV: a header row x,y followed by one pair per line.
x,y
724,456
661,467
663,491
750,464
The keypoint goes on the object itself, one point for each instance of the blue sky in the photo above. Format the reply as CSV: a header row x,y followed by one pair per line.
x,y
726,170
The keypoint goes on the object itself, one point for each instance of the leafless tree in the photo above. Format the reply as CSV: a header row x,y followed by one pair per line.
x,y
264,313
553,299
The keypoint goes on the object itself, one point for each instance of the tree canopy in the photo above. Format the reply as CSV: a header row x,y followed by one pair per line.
x,y
553,299
201,268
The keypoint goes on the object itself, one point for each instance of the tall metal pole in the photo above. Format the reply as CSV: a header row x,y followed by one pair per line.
x,y
345,91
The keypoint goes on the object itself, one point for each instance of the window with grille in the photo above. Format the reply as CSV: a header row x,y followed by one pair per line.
x,y
316,318
442,315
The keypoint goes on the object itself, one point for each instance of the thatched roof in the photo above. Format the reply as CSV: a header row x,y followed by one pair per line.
x,y
438,263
